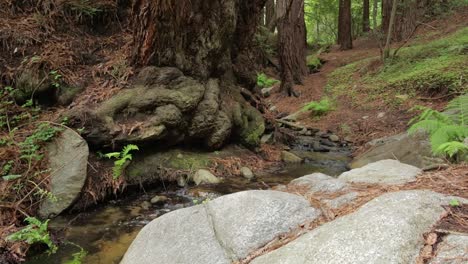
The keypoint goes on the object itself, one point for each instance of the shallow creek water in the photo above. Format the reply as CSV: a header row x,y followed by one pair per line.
x,y
107,231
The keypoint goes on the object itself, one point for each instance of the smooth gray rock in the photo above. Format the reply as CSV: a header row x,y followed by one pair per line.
x,y
452,250
341,200
382,172
388,229
246,221
247,173
182,236
159,199
289,157
410,149
205,176
319,182
223,230
68,161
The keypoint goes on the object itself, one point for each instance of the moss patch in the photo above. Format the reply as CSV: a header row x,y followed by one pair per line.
x,y
428,68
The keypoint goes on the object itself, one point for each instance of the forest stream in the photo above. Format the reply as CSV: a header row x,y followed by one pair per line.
x,y
108,230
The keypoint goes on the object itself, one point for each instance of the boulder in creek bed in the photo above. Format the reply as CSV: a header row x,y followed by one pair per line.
x,y
289,157
319,182
452,250
205,176
412,149
382,172
388,229
223,230
247,173
68,160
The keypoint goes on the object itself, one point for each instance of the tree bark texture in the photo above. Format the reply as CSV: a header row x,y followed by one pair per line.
x,y
200,37
408,14
270,15
365,16
345,39
292,46
190,55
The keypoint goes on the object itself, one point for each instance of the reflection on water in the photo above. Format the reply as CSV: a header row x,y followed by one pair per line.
x,y
106,232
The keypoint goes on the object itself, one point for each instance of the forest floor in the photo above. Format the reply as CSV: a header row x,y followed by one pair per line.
x,y
358,114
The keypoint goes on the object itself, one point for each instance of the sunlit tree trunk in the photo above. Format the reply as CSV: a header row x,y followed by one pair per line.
x,y
344,25
292,43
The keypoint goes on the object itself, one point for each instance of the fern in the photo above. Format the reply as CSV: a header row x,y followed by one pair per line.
x,y
264,82
452,148
459,106
121,159
319,108
447,130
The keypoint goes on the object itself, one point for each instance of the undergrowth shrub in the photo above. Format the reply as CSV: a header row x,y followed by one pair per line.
x,y
448,130
319,108
35,232
263,81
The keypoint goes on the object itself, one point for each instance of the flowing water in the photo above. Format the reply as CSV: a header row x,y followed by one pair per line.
x,y
107,231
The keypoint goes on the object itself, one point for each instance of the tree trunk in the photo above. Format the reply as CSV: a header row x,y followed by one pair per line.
x,y
199,37
374,15
270,15
344,25
406,18
386,12
292,45
365,16
390,30
192,55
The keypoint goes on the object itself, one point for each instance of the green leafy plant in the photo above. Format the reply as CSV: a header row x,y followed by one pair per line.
x,y
121,158
447,130
31,145
56,78
319,108
78,257
34,232
454,203
264,82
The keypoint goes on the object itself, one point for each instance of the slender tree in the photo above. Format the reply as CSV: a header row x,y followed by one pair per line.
x,y
365,16
292,43
390,30
374,15
344,25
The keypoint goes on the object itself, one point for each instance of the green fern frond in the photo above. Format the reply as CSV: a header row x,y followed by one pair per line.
x,y
430,114
111,155
127,150
452,148
447,134
459,107
430,126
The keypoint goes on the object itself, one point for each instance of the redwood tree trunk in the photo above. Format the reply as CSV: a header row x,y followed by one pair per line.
x,y
292,43
344,25
270,15
365,16
406,18
200,37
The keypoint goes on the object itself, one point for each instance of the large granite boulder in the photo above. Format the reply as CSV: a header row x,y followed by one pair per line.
x,y
68,160
388,229
382,172
224,230
319,183
452,250
412,149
